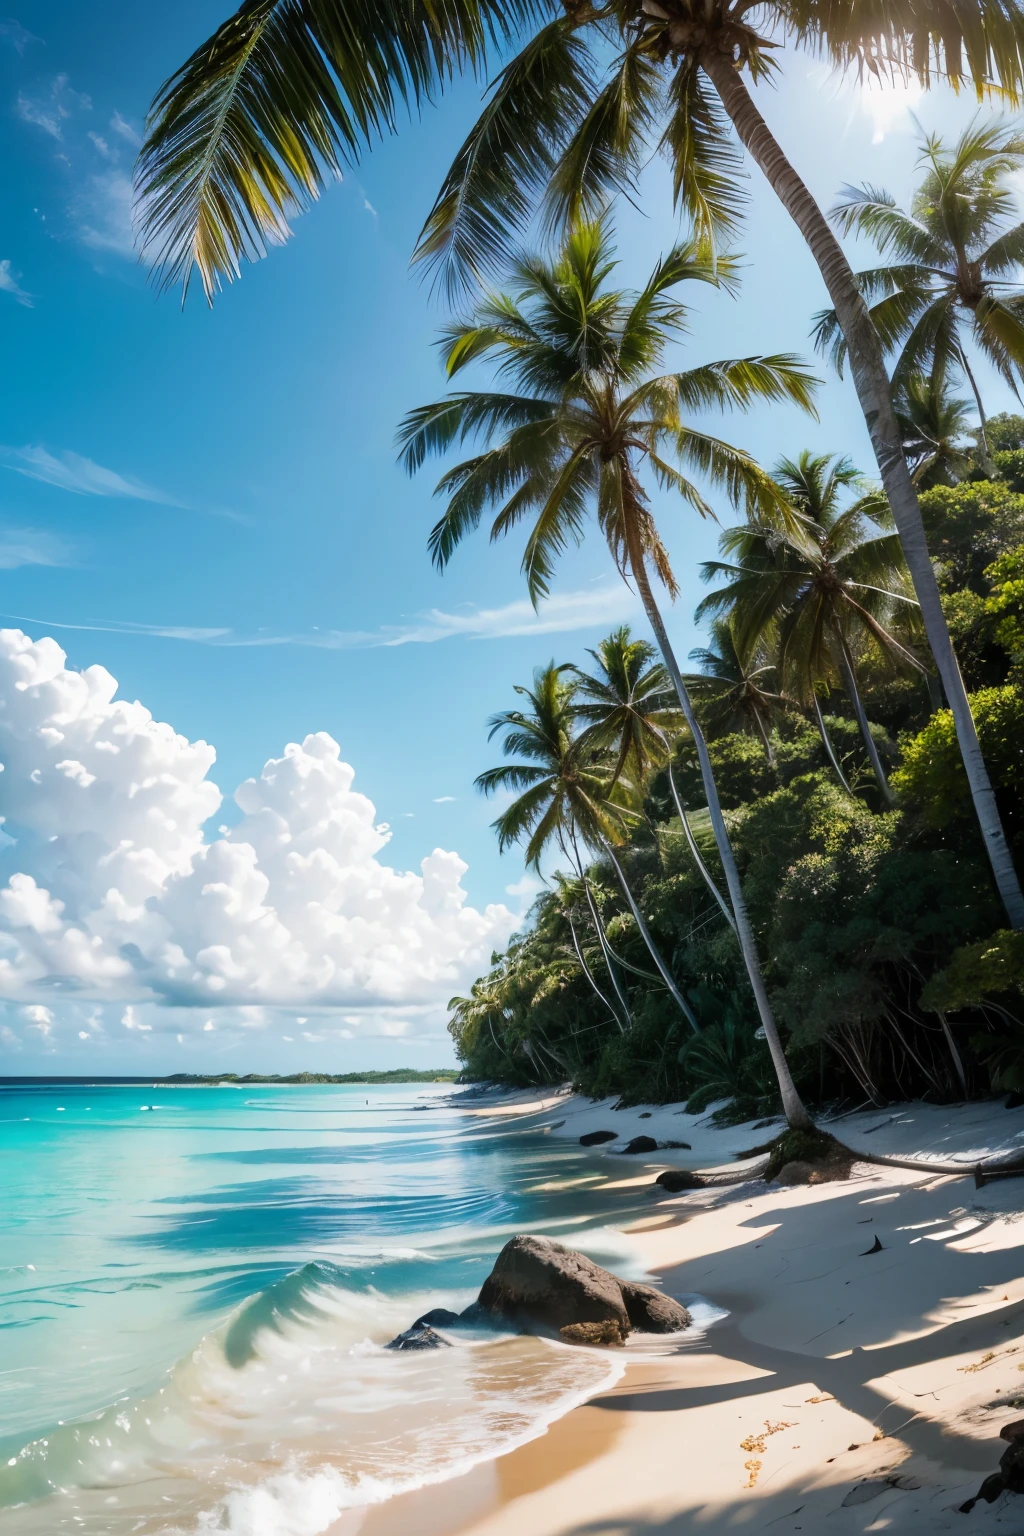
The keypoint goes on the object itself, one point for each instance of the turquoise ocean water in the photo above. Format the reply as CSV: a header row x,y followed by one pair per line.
x,y
196,1285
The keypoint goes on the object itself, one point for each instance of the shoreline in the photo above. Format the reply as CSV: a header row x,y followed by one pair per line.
x,y
865,1389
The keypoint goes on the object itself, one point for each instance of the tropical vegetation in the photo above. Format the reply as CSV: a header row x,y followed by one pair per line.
x,y
888,968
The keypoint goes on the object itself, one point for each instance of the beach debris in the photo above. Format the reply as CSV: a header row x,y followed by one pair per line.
x,y
876,1247
822,1397
641,1144
539,1284
753,1467
598,1138
418,1338
674,1180
759,1442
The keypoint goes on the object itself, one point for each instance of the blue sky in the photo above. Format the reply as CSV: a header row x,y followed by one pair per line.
x,y
206,502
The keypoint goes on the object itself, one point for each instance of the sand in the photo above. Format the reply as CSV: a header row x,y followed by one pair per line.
x,y
843,1391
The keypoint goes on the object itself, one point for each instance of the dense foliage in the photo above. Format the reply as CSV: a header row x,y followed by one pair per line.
x,y
890,969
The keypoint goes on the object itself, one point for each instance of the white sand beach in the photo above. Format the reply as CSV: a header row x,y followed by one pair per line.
x,y
845,1390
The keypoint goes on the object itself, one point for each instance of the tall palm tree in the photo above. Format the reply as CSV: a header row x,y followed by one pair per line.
x,y
585,413
561,795
735,690
285,92
819,586
954,263
934,425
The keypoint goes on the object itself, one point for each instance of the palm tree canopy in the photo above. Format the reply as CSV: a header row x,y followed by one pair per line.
x,y
804,588
935,427
245,134
627,706
737,691
585,407
953,262
561,793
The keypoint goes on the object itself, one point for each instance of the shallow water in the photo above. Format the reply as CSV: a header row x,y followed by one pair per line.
x,y
196,1286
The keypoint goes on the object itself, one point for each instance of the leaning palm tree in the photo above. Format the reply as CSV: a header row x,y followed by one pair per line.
x,y
627,706
584,414
934,425
817,588
285,92
735,690
954,263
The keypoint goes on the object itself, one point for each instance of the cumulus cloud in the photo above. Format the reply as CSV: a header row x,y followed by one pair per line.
x,y
113,891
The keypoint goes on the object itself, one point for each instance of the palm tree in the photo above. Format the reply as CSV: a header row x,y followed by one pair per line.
x,y
561,796
585,411
817,586
626,706
735,690
953,267
285,92
934,425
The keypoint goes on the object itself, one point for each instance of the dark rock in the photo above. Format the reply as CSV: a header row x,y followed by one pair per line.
x,y
592,1333
990,1490
1013,1100
651,1311
437,1317
677,1179
1012,1431
645,1116
679,1146
641,1144
1011,1465
537,1282
418,1338
598,1138
476,1316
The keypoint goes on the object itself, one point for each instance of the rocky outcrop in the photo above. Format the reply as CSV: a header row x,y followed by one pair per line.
x,y
641,1144
538,1284
651,1311
418,1338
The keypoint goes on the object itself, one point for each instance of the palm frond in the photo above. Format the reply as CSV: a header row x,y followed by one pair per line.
x,y
706,165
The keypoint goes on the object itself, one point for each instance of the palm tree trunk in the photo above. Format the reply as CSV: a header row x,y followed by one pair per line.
x,y
691,841
987,461
796,1114
874,392
645,934
602,940
588,973
849,678
827,744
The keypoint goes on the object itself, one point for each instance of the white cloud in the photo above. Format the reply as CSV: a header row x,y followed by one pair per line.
x,y
444,799
72,472
560,614
39,1018
113,891
29,546
51,111
9,284
17,36
102,211
124,130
